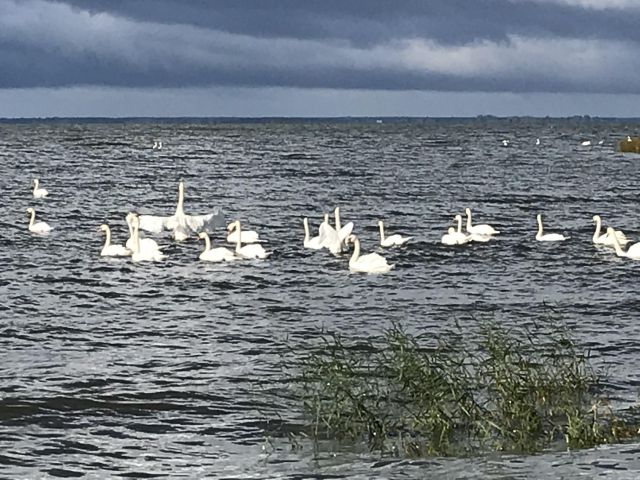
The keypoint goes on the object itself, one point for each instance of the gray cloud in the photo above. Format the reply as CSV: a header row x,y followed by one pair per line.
x,y
449,45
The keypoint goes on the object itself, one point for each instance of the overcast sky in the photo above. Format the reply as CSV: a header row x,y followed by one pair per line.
x,y
319,57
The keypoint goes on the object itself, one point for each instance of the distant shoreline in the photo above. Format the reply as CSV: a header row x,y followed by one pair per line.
x,y
347,119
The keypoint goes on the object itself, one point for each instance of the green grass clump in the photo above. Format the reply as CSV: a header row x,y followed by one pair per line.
x,y
513,390
627,146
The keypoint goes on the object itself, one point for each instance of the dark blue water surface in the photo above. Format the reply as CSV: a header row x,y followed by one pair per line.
x,y
112,369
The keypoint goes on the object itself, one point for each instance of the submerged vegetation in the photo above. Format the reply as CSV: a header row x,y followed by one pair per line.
x,y
629,145
513,390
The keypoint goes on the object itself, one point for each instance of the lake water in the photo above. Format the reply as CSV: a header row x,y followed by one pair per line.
x,y
112,369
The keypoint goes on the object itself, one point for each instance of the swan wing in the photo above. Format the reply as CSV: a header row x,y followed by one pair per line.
x,y
328,235
206,223
313,243
345,231
154,223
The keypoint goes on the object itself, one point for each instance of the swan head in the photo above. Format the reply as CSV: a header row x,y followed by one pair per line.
x,y
350,239
596,218
326,218
539,218
380,224
458,217
34,182
30,211
104,227
203,235
467,211
232,226
611,232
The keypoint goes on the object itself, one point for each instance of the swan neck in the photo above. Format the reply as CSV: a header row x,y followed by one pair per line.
x,y
36,184
239,232
460,224
33,218
305,222
207,242
616,245
468,221
598,227
180,206
381,232
356,250
107,240
540,229
136,236
337,215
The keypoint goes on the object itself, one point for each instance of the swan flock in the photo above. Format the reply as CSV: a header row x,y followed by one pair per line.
x,y
337,238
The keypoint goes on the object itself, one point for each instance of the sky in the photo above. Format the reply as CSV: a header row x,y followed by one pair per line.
x,y
310,58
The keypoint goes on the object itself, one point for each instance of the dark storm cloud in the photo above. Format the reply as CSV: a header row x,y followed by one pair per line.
x,y
475,45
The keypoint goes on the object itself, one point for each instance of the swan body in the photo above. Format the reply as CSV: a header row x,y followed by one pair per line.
x,y
482,229
312,243
586,143
253,250
369,263
37,191
180,234
145,243
219,254
391,240
633,252
37,227
109,250
191,223
605,238
547,237
454,238
143,255
246,236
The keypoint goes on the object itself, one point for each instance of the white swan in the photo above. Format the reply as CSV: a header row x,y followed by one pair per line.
x,y
37,227
246,236
505,143
537,141
633,252
586,143
145,243
219,254
334,238
629,139
253,250
547,237
391,240
143,255
605,238
109,250
369,263
482,229
192,223
312,243
38,192
452,238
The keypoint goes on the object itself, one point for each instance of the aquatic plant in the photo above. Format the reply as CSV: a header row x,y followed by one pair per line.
x,y
629,144
517,390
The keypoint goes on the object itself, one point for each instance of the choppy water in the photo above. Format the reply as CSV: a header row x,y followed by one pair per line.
x,y
114,369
